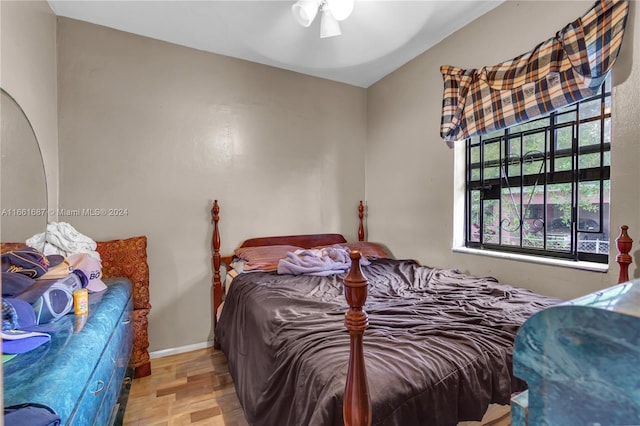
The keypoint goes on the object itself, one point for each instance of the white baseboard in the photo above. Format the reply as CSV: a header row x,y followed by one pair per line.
x,y
181,349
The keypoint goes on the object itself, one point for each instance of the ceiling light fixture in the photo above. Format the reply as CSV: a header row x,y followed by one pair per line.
x,y
305,11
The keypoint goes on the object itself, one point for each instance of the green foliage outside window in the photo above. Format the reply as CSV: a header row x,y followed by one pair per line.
x,y
531,182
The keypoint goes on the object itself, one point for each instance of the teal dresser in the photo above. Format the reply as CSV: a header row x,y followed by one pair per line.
x,y
82,373
580,361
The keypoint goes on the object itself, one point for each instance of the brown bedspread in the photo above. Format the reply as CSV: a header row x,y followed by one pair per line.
x,y
438,349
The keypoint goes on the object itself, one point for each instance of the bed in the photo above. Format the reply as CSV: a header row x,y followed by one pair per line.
x,y
438,346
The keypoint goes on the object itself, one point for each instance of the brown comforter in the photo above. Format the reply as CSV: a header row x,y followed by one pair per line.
x,y
438,349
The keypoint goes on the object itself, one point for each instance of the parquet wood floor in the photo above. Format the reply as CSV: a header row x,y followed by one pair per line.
x,y
195,388
185,389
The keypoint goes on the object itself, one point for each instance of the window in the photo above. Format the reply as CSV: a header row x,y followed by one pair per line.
x,y
542,187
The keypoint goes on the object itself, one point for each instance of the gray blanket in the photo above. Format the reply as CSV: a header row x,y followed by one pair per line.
x,y
438,349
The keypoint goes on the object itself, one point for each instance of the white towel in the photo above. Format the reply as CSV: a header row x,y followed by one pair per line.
x,y
62,238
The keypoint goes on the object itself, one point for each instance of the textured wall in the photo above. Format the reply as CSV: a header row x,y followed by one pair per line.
x,y
28,73
410,170
161,130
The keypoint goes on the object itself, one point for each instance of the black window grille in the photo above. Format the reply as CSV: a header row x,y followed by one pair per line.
x,y
542,187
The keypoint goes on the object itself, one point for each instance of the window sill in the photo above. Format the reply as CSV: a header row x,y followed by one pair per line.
x,y
585,266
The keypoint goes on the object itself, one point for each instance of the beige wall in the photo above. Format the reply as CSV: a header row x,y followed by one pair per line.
x,y
28,74
409,173
162,130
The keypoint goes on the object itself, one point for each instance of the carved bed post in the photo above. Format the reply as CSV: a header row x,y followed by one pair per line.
x,y
360,226
215,245
356,409
624,244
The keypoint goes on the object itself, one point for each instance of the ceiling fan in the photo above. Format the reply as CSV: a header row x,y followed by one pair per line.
x,y
305,11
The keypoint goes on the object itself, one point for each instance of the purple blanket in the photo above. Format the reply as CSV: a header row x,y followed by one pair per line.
x,y
322,262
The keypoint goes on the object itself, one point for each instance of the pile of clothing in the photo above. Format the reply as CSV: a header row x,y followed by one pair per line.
x,y
37,288
324,261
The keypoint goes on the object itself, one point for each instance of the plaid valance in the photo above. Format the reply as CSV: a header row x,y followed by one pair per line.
x,y
558,72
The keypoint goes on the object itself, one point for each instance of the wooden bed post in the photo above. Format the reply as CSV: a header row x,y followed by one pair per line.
x,y
361,226
215,245
356,410
624,244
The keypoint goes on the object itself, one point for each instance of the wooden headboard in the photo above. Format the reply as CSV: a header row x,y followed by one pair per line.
x,y
305,241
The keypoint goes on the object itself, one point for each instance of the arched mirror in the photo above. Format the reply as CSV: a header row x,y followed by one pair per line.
x,y
23,192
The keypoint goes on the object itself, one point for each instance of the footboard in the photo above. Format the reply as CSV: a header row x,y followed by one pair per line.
x,y
356,403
